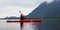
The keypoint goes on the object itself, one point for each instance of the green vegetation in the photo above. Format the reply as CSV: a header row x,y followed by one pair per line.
x,y
12,17
58,18
48,18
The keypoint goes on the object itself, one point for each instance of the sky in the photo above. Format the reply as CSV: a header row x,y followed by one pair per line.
x,y
12,7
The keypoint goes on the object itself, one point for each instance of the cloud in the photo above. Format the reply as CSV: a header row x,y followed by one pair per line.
x,y
49,1
13,11
21,3
12,7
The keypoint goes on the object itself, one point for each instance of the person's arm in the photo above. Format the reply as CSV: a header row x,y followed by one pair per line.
x,y
21,13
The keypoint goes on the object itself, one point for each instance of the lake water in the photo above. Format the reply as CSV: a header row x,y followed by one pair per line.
x,y
47,24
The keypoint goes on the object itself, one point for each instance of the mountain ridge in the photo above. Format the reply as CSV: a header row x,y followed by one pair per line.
x,y
46,10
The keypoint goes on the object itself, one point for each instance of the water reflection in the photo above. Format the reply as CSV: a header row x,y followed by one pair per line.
x,y
45,25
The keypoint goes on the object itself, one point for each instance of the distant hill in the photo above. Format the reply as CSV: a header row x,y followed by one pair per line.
x,y
11,17
46,10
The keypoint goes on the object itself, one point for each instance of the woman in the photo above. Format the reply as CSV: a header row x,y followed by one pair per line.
x,y
21,16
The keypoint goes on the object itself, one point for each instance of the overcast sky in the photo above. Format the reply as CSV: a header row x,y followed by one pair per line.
x,y
12,7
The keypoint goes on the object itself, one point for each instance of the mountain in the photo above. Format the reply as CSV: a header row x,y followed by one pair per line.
x,y
12,17
46,10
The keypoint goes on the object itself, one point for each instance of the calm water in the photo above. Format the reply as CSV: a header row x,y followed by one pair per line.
x,y
48,24
16,26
